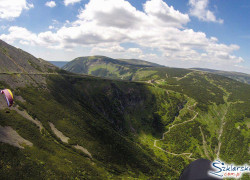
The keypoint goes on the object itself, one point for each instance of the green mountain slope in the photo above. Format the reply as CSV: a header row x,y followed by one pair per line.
x,y
241,77
107,67
140,62
101,122
74,126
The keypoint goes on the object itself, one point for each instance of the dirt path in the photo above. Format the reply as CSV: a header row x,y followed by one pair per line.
x,y
220,133
26,73
204,142
188,155
178,78
223,122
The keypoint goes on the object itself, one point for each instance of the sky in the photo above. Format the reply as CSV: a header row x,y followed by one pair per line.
x,y
211,34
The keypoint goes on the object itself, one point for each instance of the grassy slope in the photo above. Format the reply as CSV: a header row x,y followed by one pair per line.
x,y
140,62
107,67
103,116
223,113
119,122
217,95
241,77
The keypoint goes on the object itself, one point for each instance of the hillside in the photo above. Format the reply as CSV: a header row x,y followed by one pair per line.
x,y
140,62
73,126
107,67
15,60
241,77
126,68
60,64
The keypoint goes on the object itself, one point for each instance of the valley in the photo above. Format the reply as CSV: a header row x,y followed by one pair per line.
x,y
118,120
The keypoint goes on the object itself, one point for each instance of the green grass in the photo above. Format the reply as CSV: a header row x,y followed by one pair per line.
x,y
101,116
118,122
47,158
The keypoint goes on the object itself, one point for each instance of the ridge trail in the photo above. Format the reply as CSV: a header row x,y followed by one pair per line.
x,y
220,133
204,142
223,122
188,155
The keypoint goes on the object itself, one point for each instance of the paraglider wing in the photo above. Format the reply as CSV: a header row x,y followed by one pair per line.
x,y
8,96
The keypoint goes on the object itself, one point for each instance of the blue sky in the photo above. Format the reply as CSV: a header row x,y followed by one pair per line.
x,y
178,33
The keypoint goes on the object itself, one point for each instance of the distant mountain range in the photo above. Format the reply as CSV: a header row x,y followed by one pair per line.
x,y
242,77
59,64
124,68
107,67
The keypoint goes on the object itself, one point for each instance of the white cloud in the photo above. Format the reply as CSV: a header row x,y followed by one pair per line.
x,y
109,48
68,2
51,27
116,50
54,21
135,50
112,13
159,30
24,42
199,9
160,11
29,6
50,4
18,33
28,38
3,27
149,57
10,9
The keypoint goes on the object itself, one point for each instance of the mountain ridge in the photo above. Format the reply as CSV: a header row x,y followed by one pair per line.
x,y
113,68
239,76
125,69
18,61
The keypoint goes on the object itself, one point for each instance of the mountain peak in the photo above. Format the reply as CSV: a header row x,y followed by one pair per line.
x,y
107,67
